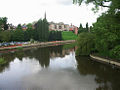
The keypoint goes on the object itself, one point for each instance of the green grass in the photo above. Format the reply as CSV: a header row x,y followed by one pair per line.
x,y
2,61
68,35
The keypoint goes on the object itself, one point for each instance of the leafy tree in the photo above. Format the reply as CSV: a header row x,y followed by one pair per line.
x,y
85,43
17,35
81,29
55,35
112,5
29,26
107,31
115,52
19,27
5,36
107,28
42,30
3,23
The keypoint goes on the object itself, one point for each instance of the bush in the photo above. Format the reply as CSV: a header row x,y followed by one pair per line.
x,y
115,52
85,43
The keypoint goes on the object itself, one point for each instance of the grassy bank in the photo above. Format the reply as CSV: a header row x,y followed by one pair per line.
x,y
68,35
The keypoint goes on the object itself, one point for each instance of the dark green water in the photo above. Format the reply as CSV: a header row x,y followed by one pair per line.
x,y
55,68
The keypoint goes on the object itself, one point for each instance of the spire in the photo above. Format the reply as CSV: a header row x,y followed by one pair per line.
x,y
45,15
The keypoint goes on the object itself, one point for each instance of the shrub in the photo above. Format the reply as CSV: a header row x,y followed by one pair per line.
x,y
115,52
85,43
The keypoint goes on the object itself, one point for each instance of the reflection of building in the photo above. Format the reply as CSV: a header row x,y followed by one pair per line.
x,y
62,54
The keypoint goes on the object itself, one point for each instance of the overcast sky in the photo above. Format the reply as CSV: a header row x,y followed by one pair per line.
x,y
27,11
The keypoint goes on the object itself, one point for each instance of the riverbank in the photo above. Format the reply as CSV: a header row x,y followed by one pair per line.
x,y
106,61
42,44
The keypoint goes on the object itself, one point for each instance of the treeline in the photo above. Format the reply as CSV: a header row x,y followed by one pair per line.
x,y
55,36
104,36
38,32
82,29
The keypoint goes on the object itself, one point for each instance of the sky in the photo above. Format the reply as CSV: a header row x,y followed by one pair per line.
x,y
28,11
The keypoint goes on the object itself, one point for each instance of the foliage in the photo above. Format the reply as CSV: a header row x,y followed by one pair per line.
x,y
107,28
5,36
81,29
19,27
115,52
112,5
3,23
55,36
17,35
68,35
42,30
107,31
85,43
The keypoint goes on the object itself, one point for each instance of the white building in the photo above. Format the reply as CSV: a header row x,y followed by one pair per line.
x,y
58,26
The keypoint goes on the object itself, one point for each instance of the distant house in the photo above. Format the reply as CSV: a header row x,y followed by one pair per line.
x,y
62,27
73,29
11,27
24,27
58,26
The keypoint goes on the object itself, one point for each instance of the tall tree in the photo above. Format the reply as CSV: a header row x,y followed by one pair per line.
x,y
42,30
3,23
87,27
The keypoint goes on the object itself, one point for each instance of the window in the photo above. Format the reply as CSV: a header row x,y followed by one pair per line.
x,y
60,27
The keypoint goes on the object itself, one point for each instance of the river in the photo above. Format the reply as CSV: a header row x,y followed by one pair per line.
x,y
55,68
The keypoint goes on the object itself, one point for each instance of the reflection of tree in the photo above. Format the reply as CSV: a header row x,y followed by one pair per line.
x,y
41,54
106,76
8,58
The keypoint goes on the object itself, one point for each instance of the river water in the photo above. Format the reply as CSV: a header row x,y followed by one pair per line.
x,y
55,68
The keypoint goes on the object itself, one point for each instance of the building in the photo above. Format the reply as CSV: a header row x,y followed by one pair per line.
x,y
58,26
11,27
73,29
62,27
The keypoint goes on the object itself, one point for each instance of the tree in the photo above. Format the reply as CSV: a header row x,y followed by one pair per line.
x,y
85,43
81,29
112,5
29,26
87,27
107,28
5,36
42,30
19,27
18,35
107,31
3,23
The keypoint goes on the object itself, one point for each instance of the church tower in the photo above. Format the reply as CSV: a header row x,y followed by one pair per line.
x,y
45,16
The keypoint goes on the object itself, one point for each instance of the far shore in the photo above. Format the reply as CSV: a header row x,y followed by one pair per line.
x,y
42,44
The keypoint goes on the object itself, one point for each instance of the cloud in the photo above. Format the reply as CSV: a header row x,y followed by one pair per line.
x,y
65,2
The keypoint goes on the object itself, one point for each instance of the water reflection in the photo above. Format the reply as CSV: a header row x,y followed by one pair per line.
x,y
55,68
106,76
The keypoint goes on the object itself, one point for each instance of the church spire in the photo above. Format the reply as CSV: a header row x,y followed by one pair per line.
x,y
45,15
